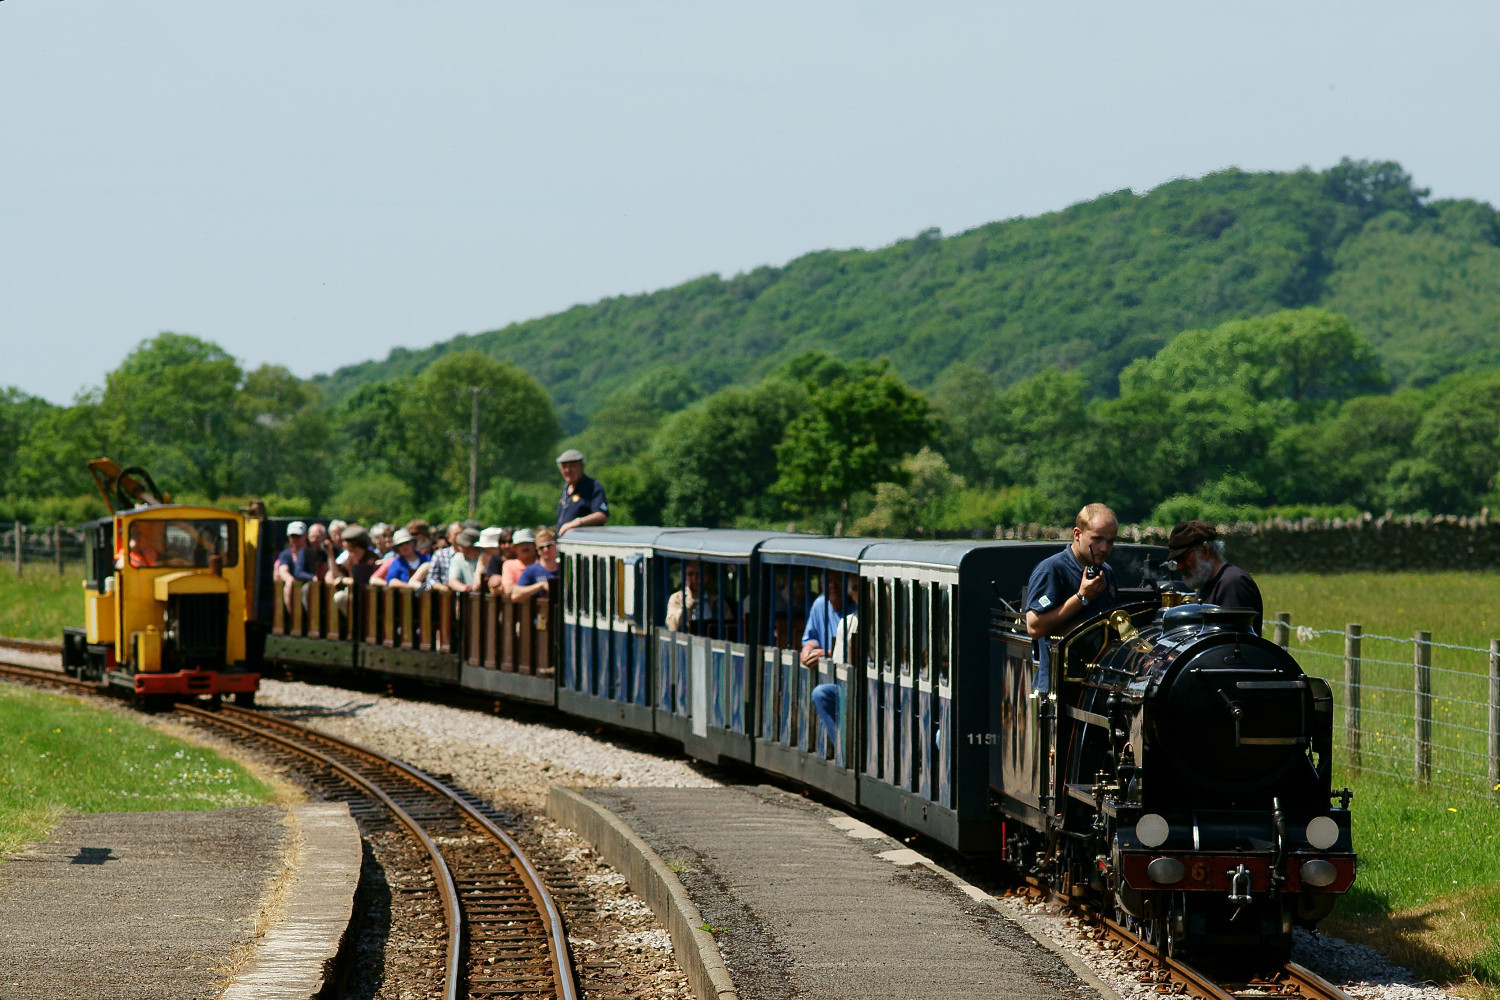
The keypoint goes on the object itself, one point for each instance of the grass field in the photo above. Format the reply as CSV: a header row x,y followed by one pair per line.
x,y
39,603
1428,892
62,756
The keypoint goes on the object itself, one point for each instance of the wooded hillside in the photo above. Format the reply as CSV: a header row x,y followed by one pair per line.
x,y
1086,289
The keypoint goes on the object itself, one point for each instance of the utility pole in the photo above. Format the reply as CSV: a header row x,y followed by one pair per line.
x,y
474,454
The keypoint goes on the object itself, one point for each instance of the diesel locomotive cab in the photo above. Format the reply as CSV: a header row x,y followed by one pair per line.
x,y
166,604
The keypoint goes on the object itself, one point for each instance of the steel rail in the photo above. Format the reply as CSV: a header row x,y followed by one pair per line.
x,y
1192,978
31,645
447,888
44,675
1313,984
562,962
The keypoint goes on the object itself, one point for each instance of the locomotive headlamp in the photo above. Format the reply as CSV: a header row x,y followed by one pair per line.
x,y
1323,832
1315,873
1152,829
1165,871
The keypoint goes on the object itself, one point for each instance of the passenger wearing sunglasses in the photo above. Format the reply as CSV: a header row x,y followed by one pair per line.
x,y
533,579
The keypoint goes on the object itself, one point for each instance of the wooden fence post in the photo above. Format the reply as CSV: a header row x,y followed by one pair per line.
x,y
1495,717
17,534
1283,633
1352,643
1422,682
57,534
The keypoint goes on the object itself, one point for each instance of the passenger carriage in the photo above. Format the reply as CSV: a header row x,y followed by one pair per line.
x,y
703,670
609,617
790,739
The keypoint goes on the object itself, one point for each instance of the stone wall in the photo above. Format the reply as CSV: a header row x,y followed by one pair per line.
x,y
1318,546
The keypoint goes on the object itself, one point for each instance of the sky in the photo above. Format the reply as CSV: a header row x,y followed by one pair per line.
x,y
312,185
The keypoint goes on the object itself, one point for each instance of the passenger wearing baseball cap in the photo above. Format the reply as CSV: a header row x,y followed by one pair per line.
x,y
403,568
524,542
464,570
582,503
1197,552
293,563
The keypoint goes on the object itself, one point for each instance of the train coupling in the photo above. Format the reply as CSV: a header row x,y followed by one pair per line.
x,y
1239,886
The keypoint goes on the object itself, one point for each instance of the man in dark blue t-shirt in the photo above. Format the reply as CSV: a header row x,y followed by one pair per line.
x,y
1074,583
582,503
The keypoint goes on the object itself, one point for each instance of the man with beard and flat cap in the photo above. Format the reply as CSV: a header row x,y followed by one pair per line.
x,y
1197,552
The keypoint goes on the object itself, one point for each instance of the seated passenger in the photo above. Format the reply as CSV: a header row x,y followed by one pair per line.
x,y
336,536
464,568
357,567
442,560
525,545
688,597
291,564
823,619
534,579
317,554
491,541
408,560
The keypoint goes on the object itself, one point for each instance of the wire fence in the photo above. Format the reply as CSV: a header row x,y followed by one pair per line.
x,y
50,545
1410,708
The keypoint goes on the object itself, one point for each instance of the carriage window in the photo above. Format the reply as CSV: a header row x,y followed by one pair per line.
x,y
787,602
601,587
942,631
570,578
704,598
921,632
903,625
183,543
585,585
887,625
870,627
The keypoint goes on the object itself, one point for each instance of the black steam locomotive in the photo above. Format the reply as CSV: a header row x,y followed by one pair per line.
x,y
1179,772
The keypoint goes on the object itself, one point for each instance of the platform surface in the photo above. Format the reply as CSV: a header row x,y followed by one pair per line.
x,y
138,905
804,902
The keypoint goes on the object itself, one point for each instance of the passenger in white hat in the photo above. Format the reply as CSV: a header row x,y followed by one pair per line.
x,y
292,564
408,560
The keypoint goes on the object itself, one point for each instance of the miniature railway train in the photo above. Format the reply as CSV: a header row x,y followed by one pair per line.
x,y
1177,772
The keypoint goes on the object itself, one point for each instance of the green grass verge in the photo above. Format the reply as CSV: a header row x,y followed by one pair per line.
x,y
62,756
1428,892
39,603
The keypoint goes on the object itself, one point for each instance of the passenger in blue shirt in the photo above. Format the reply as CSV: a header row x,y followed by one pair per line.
x,y
1062,590
830,608
407,561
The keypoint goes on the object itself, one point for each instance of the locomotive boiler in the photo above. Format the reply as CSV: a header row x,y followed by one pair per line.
x,y
1179,773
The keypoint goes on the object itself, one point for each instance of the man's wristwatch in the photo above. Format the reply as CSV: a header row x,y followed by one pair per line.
x,y
1082,599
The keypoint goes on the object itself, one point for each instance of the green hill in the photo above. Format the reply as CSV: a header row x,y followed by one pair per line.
x,y
1089,288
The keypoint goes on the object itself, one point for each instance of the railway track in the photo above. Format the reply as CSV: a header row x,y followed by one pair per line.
x,y
1171,976
505,935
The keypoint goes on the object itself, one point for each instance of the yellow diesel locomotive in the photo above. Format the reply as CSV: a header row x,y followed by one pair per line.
x,y
168,595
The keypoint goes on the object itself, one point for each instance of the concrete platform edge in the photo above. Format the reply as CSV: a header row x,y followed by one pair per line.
x,y
298,956
650,877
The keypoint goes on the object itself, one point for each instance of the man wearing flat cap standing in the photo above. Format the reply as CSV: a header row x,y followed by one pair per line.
x,y
582,502
1197,552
